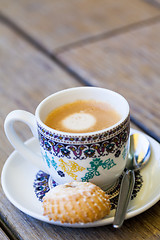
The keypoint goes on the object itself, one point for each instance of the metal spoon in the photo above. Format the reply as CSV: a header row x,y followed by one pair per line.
x,y
139,154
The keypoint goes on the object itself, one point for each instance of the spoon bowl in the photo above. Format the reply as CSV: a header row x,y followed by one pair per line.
x,y
139,154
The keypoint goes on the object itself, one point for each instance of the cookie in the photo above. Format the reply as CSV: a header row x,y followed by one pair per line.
x,y
76,202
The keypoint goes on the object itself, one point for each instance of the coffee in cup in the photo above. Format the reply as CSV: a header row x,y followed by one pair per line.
x,y
82,116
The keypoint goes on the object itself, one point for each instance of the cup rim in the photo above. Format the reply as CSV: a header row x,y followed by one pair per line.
x,y
57,132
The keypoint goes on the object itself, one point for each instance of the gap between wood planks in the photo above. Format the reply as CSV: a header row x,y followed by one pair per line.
x,y
11,233
35,43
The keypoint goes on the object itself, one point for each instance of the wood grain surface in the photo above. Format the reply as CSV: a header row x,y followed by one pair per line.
x,y
104,43
58,23
3,236
128,64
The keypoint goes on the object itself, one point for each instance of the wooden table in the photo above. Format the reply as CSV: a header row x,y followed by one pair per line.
x,y
47,46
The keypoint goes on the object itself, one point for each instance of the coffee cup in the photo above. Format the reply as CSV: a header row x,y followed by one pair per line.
x,y
99,156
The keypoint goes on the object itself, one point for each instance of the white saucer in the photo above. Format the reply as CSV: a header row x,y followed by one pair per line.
x,y
18,176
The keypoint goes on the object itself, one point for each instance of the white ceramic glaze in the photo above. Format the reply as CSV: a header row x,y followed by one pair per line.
x,y
98,157
18,176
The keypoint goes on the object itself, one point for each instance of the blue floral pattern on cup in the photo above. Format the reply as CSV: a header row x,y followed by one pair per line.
x,y
102,150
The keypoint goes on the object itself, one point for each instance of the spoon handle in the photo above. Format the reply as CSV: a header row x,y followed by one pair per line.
x,y
126,190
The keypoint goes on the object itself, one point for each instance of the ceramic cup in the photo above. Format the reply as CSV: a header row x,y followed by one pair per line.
x,y
98,157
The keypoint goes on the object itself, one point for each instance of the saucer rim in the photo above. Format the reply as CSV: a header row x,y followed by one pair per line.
x,y
102,222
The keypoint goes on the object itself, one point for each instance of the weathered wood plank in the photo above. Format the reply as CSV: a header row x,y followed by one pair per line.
x,y
58,23
129,64
3,236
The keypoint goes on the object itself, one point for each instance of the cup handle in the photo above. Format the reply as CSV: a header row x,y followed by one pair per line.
x,y
15,140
